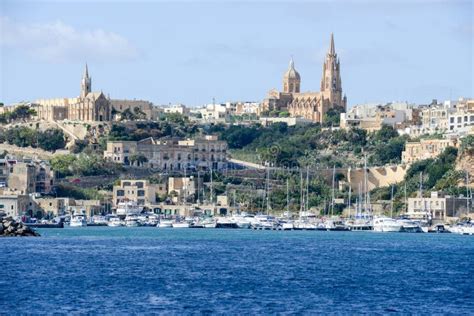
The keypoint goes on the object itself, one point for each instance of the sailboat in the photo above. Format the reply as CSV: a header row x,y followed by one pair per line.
x,y
303,223
363,218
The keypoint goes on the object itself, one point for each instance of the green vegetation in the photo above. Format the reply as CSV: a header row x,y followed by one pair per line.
x,y
467,145
50,139
22,112
437,175
131,115
82,165
171,127
387,146
333,116
311,145
69,190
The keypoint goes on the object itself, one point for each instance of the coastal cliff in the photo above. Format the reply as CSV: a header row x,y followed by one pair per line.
x,y
11,228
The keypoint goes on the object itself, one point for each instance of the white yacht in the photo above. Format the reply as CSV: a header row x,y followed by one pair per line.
x,y
287,225
264,222
208,223
386,224
410,226
304,225
115,222
127,208
242,220
78,221
462,229
131,221
180,225
165,223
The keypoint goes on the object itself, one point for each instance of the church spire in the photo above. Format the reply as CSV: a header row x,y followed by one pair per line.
x,y
86,83
332,49
86,72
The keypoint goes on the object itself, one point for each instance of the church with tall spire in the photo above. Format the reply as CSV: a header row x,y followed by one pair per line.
x,y
90,106
87,107
309,105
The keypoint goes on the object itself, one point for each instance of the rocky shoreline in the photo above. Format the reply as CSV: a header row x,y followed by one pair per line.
x,y
11,228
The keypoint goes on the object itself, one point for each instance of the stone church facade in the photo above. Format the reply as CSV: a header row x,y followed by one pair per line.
x,y
309,105
88,107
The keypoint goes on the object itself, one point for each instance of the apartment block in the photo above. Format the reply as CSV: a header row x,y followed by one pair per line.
x,y
425,149
140,191
170,154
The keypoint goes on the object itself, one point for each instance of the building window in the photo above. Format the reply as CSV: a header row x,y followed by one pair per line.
x,y
120,192
141,192
139,184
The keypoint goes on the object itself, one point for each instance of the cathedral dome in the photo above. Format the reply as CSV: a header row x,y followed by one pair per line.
x,y
291,73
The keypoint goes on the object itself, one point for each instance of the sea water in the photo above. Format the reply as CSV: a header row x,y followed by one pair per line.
x,y
99,270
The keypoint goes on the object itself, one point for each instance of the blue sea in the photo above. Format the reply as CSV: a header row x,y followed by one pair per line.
x,y
102,270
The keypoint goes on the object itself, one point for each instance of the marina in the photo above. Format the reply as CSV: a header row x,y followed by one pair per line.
x,y
243,221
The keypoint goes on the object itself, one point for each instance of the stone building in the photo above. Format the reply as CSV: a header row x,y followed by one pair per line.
x,y
170,154
425,149
139,107
309,105
371,117
140,191
25,177
14,205
183,187
439,206
461,121
89,106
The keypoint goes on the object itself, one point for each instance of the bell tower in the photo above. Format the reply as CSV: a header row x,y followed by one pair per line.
x,y
331,85
85,83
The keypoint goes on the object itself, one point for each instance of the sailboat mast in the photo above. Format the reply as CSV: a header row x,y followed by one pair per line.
x,y
185,187
301,193
391,203
467,193
405,192
212,189
287,197
349,202
307,191
365,183
268,191
333,193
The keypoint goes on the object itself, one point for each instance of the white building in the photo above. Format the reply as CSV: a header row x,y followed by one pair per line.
x,y
439,206
177,108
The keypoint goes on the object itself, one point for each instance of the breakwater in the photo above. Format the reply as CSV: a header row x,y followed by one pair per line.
x,y
11,228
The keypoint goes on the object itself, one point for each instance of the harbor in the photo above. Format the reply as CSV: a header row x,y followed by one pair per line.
x,y
137,270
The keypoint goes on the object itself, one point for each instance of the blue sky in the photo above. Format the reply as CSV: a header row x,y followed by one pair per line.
x,y
191,52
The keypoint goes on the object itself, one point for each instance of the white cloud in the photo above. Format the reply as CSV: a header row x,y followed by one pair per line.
x,y
57,41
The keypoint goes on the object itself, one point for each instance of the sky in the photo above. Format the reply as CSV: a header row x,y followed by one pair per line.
x,y
191,52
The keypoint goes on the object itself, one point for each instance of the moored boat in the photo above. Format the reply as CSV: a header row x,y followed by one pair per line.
x,y
78,221
386,224
165,224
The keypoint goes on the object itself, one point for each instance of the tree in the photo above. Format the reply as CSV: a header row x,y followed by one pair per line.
x,y
139,159
386,133
390,152
51,139
63,164
333,116
21,136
